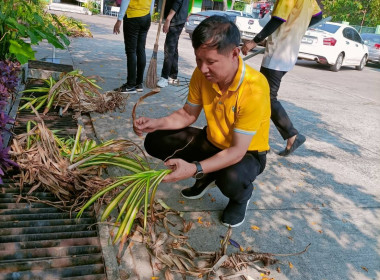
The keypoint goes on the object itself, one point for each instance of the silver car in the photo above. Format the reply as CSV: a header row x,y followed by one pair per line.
x,y
195,18
373,43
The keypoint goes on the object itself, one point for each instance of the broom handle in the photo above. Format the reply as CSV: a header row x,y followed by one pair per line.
x,y
159,24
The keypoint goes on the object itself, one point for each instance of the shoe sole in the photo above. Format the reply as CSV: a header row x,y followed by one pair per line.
x,y
236,225
139,90
212,185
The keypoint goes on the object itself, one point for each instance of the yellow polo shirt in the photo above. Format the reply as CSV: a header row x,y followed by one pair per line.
x,y
244,108
283,44
138,8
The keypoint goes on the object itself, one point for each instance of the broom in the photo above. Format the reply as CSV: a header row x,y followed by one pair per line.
x,y
151,77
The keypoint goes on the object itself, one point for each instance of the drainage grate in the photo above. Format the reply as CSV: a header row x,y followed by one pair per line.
x,y
38,241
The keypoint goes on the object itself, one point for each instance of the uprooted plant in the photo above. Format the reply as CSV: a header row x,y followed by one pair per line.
x,y
75,91
70,168
170,250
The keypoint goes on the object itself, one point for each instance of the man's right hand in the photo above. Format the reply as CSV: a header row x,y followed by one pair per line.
x,y
116,28
144,124
247,46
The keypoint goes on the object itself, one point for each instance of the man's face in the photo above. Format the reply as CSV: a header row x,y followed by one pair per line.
x,y
216,67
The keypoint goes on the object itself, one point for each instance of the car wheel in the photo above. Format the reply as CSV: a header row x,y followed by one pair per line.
x,y
363,62
338,64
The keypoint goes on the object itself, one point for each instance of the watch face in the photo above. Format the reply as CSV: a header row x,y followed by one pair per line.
x,y
198,175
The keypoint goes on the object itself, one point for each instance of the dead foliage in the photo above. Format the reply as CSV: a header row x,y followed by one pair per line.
x,y
43,166
81,94
170,250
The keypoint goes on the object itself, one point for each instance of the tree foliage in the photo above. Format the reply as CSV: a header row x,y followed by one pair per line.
x,y
356,12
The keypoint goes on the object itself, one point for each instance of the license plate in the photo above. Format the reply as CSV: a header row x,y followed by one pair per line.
x,y
307,40
196,22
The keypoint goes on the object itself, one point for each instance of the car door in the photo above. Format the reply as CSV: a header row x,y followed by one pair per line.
x,y
349,45
359,47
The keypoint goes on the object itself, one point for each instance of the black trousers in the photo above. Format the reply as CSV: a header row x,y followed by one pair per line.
x,y
191,144
170,67
279,116
135,31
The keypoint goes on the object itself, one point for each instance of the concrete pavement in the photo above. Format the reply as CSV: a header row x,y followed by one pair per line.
x,y
327,192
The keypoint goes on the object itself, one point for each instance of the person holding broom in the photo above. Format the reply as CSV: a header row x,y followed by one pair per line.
x,y
289,22
176,14
231,149
136,17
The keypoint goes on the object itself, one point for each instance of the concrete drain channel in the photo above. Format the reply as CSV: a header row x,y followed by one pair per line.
x,y
39,241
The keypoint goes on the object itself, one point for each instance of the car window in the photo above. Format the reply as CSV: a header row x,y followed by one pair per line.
x,y
357,37
348,33
331,28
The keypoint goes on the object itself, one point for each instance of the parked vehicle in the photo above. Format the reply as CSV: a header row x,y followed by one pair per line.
x,y
334,44
195,18
373,43
249,26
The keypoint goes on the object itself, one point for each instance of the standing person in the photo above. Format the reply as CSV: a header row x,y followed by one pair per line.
x,y
176,15
231,149
289,22
135,15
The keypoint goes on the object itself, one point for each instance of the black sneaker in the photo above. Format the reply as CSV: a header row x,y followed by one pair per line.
x,y
126,89
200,187
234,213
139,88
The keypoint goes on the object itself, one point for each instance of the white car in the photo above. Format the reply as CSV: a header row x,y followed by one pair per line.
x,y
334,44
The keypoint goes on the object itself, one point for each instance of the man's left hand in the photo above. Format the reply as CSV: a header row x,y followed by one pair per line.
x,y
180,170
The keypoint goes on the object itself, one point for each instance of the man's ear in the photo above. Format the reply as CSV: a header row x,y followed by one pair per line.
x,y
236,52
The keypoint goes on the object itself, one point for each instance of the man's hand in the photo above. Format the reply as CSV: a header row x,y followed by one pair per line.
x,y
180,170
144,124
166,26
247,46
116,28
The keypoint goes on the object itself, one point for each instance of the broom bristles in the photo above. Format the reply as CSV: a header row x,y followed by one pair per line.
x,y
151,77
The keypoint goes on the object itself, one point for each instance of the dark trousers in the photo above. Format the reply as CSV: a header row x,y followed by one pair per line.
x,y
191,144
135,31
279,116
170,67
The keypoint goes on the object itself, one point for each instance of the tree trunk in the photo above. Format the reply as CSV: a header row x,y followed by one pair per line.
x,y
232,4
225,5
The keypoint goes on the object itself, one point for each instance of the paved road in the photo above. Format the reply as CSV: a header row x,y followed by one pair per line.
x,y
328,192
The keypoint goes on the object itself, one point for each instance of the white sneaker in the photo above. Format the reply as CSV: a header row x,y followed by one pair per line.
x,y
162,82
172,81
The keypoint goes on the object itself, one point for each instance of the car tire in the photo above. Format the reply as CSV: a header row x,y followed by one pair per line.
x,y
338,63
363,62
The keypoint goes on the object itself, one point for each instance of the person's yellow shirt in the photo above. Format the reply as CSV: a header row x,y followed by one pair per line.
x,y
244,108
138,8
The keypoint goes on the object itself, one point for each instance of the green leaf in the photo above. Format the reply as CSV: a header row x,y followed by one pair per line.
x,y
65,40
21,50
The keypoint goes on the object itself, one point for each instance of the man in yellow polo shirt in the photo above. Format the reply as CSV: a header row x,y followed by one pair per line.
x,y
231,149
289,22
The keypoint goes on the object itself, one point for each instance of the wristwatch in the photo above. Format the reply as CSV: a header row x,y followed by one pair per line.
x,y
199,173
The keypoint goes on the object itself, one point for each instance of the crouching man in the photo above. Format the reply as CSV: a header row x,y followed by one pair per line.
x,y
231,149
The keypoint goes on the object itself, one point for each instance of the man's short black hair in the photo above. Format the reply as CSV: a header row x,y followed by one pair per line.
x,y
216,32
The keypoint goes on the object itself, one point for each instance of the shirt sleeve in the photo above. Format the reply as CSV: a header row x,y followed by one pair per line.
x,y
194,97
283,9
316,9
253,107
123,8
176,5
